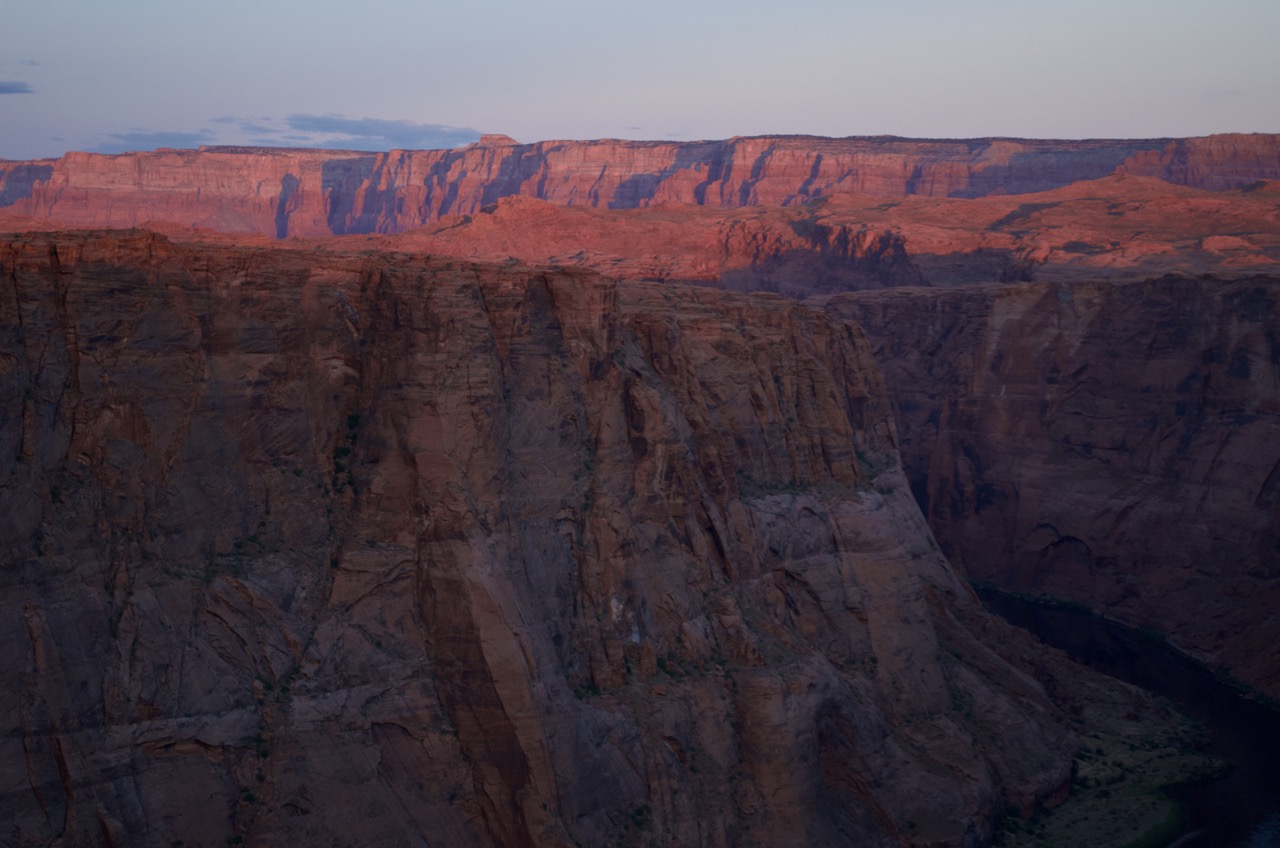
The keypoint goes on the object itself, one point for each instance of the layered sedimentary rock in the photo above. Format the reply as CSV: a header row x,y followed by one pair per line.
x,y
793,252
278,192
1113,444
324,548
1120,227
1214,162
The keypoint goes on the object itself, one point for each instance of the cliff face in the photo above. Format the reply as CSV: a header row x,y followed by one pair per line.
x,y
278,192
1113,444
785,251
1214,162
322,547
1120,227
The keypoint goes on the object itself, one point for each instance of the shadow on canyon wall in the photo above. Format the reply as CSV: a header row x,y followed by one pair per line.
x,y
838,258
313,546
19,182
1116,444
400,190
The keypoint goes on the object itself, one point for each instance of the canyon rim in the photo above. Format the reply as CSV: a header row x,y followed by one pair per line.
x,y
587,493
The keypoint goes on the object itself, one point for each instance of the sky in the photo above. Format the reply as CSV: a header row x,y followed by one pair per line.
x,y
383,74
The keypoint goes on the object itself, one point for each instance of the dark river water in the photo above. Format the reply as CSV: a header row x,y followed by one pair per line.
x,y
1241,809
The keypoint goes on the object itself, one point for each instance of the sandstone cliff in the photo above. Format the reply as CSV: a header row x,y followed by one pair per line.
x,y
281,192
331,548
1119,227
1213,162
1113,444
789,251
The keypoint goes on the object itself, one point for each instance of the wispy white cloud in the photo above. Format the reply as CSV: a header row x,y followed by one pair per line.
x,y
379,134
339,132
151,139
332,132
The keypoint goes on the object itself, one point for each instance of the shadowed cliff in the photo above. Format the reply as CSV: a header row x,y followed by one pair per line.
x,y
1116,444
327,547
1120,227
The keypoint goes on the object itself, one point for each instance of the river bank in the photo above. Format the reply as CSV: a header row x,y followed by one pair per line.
x,y
1221,789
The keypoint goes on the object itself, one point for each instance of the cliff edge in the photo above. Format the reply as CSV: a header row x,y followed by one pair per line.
x,y
320,547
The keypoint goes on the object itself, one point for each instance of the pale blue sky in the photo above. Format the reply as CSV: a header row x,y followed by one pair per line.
x,y
134,74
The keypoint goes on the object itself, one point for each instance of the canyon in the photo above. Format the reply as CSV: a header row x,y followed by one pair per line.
x,y
1113,444
618,492
794,215
281,192
344,548
1114,228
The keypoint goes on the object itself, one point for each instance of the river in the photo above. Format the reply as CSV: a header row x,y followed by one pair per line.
x,y
1240,809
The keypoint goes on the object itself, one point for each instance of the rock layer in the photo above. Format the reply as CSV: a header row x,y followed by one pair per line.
x,y
1113,444
323,548
280,192
1123,227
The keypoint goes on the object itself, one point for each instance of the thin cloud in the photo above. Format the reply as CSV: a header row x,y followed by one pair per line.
x,y
337,131
254,127
303,141
16,88
333,132
149,140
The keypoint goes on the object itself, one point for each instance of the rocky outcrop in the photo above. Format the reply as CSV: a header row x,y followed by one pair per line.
x,y
1214,162
280,192
1120,227
1113,444
328,548
786,251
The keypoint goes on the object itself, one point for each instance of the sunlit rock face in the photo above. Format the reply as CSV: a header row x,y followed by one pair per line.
x,y
1120,227
283,192
338,548
1113,444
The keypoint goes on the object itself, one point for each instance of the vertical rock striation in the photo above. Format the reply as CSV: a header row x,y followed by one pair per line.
x,y
323,548
282,192
1115,444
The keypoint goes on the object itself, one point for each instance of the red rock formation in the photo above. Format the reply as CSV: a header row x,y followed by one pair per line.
x,y
280,192
1112,444
1213,162
788,251
1121,227
317,547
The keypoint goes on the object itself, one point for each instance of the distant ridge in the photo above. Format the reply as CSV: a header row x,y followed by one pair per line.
x,y
294,192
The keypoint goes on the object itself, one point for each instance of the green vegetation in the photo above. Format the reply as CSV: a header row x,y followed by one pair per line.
x,y
752,488
1244,690
872,464
1116,798
1131,749
1132,745
343,475
1048,601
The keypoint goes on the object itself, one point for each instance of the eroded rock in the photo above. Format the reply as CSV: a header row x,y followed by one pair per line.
x,y
321,548
1115,444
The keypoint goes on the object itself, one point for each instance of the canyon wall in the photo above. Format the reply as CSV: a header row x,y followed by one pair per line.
x,y
320,548
1119,227
283,192
1115,444
1214,162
